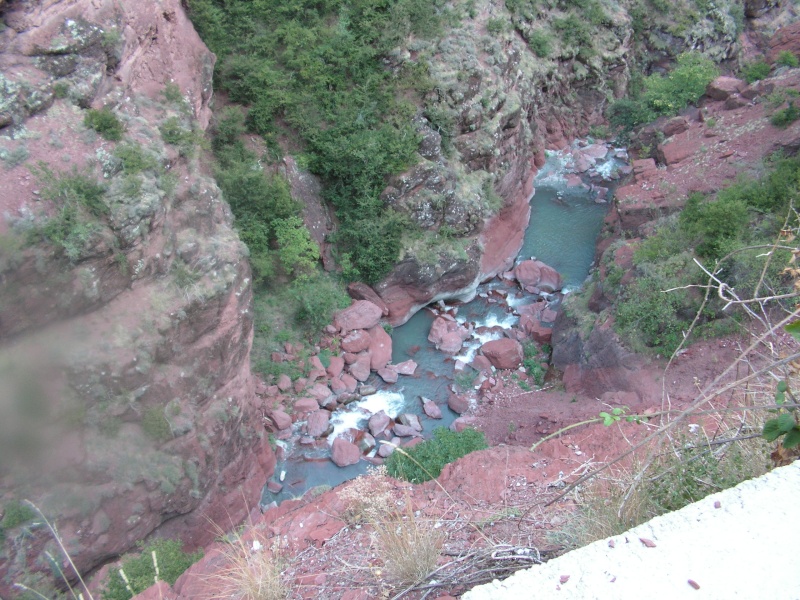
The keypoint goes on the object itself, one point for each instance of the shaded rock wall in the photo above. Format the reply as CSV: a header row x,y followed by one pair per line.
x,y
126,402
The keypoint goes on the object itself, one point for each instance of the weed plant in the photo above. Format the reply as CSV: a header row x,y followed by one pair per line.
x,y
786,58
425,461
140,570
409,546
104,122
250,571
756,71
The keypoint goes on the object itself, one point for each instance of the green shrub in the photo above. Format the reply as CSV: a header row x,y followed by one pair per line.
x,y
317,297
664,94
540,43
787,58
155,424
714,223
16,513
140,571
104,122
172,132
61,89
134,159
425,461
495,26
79,202
755,71
315,72
298,253
684,85
535,369
786,116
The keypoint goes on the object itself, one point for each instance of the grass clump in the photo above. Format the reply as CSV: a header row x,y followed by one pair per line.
x,y
756,71
786,116
425,461
160,560
79,203
409,547
16,513
787,58
251,571
104,122
155,424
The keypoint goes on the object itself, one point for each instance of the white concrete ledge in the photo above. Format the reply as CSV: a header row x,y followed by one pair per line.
x,y
746,548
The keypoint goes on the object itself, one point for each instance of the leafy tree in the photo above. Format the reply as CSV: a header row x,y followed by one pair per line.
x,y
298,253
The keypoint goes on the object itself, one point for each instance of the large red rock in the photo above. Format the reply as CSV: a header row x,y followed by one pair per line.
x,y
458,403
305,405
380,348
388,375
679,148
349,381
281,419
361,291
344,453
503,354
356,341
335,367
318,422
360,369
362,314
407,367
447,335
536,274
431,409
378,423
723,87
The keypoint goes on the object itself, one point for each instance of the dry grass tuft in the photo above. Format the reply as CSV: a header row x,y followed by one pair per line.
x,y
369,498
688,468
408,546
252,571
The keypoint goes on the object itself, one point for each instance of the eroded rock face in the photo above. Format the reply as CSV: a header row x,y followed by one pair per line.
x,y
131,329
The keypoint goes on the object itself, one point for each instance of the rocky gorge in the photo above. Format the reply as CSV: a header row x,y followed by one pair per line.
x,y
129,331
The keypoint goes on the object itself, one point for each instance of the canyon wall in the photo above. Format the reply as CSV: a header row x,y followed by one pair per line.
x,y
126,401
508,84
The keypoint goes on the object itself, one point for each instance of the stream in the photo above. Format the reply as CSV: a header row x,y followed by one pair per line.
x,y
564,225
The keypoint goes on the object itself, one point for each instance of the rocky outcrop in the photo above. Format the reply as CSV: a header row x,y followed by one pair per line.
x,y
497,102
125,299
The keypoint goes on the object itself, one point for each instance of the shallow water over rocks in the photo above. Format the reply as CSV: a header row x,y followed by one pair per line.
x,y
567,212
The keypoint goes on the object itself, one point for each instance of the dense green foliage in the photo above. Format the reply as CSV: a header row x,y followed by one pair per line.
x,y
262,205
104,122
425,461
140,571
316,68
755,71
719,231
665,94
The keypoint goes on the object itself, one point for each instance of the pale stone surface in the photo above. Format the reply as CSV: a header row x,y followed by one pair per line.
x,y
730,552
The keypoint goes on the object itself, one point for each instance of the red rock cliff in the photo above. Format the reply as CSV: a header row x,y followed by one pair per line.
x,y
126,402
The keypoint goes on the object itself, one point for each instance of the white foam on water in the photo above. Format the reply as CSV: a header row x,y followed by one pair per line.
x,y
492,320
354,415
